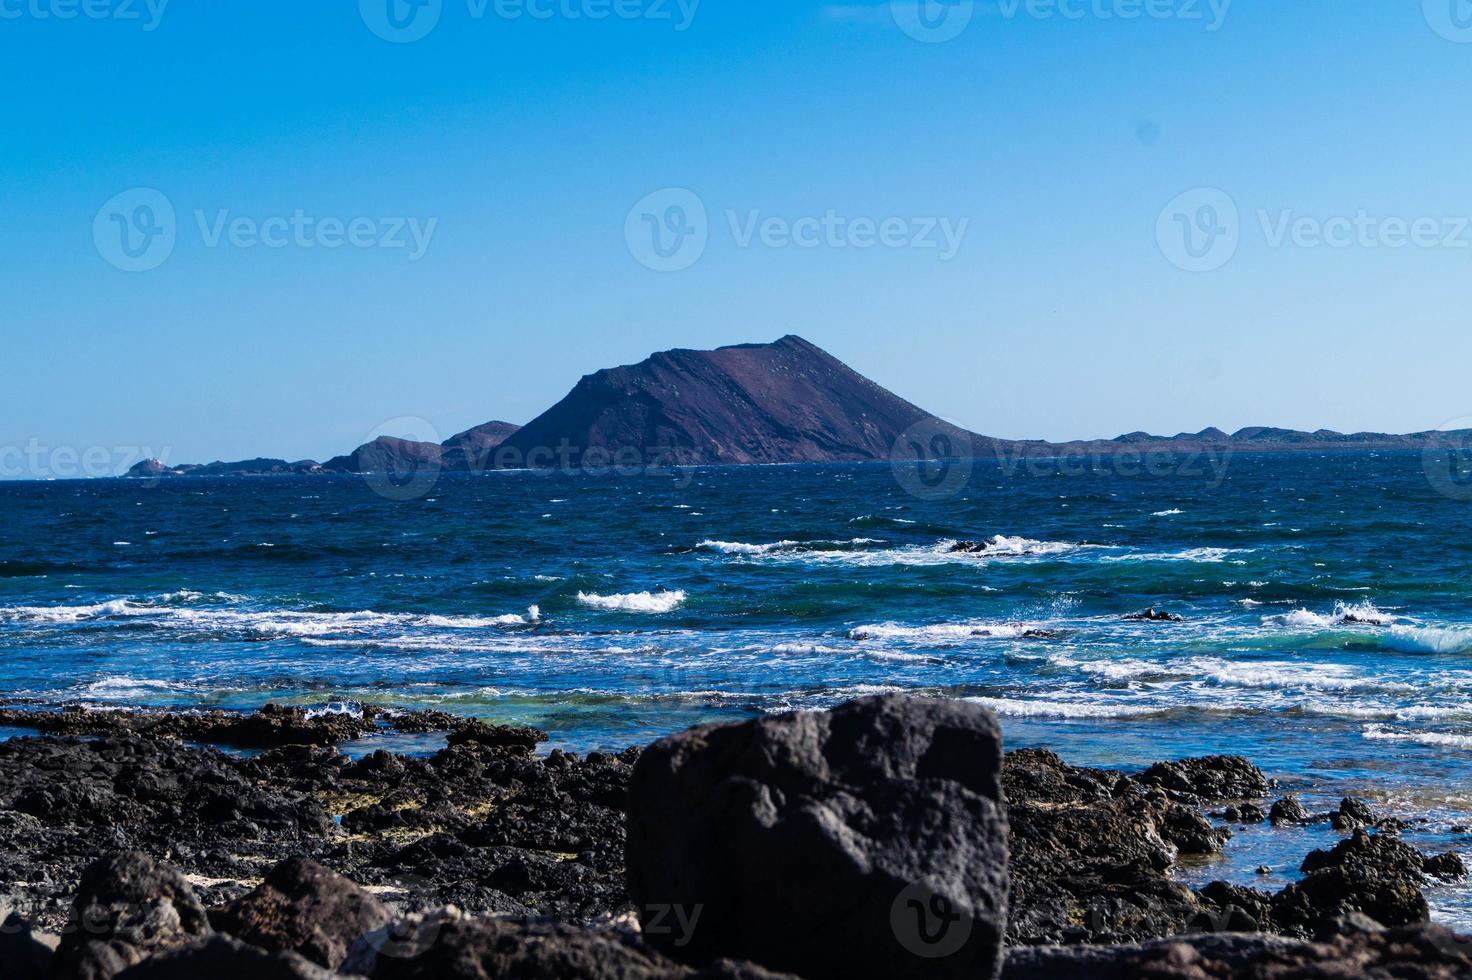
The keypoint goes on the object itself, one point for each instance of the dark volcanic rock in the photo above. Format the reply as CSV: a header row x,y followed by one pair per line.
x,y
225,958
1153,615
1288,810
1091,850
127,908
863,841
303,908
386,454
1377,874
1213,779
1412,953
448,947
782,402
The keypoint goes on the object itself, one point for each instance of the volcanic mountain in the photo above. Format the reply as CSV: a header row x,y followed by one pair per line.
x,y
782,402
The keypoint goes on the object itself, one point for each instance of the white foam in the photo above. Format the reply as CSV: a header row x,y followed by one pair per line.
x,y
643,602
742,548
1358,614
940,632
1062,709
1168,513
74,614
1205,555
1442,740
1431,639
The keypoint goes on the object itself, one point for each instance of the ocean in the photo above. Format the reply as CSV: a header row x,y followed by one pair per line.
x,y
1327,631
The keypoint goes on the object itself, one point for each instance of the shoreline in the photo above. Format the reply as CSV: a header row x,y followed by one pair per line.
x,y
491,827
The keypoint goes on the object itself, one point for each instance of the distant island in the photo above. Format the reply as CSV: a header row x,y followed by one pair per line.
x,y
783,402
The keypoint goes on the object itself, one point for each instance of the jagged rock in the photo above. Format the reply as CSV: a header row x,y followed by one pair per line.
x,y
1379,875
1409,953
128,908
1153,615
1244,813
1447,867
451,947
1234,909
1288,810
303,908
225,958
862,841
523,740
1090,854
1212,779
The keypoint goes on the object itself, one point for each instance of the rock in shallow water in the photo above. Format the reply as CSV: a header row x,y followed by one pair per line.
x,y
866,841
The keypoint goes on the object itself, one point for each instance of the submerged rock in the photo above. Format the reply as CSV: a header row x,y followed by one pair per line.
x,y
1153,615
866,841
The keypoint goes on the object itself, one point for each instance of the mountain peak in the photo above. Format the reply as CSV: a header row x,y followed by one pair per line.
x,y
785,401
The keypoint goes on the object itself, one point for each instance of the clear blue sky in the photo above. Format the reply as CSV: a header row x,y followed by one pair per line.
x,y
528,140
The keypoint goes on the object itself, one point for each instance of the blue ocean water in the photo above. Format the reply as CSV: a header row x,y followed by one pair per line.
x,y
1328,633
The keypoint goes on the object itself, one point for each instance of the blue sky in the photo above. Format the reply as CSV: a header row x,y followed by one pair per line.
x,y
1060,146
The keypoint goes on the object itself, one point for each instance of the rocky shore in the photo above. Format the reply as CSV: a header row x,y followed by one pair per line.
x,y
890,837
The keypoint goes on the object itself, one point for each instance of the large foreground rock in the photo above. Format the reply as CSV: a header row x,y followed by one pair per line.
x,y
128,908
866,841
304,908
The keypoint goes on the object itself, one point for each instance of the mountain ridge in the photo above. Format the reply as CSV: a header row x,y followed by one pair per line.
x,y
788,401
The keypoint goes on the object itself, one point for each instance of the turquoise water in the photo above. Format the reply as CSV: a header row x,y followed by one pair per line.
x,y
1328,633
